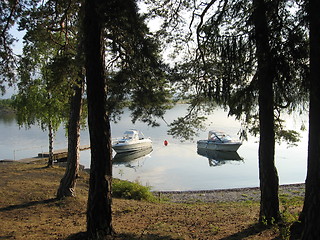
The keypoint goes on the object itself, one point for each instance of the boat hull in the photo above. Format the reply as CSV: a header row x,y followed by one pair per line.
x,y
217,146
219,155
131,147
125,157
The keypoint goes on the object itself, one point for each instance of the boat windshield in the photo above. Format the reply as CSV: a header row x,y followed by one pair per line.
x,y
128,135
218,137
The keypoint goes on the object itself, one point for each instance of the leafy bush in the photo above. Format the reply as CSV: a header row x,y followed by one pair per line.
x,y
131,190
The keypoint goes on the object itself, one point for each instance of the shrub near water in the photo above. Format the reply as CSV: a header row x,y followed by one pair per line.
x,y
131,190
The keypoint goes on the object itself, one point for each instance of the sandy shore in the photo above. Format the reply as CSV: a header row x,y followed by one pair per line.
x,y
227,195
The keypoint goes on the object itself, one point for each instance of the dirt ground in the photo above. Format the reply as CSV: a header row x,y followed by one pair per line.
x,y
29,210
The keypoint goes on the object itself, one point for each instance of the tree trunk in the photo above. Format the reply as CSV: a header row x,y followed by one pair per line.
x,y
50,160
269,183
311,210
99,218
68,182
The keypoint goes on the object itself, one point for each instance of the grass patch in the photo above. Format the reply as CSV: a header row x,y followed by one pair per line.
x,y
29,210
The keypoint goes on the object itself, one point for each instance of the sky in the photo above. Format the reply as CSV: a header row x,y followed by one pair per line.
x,y
9,92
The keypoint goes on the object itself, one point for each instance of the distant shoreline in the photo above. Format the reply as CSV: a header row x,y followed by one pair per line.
x,y
229,195
6,111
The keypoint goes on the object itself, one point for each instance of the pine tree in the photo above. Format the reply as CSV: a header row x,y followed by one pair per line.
x,y
251,58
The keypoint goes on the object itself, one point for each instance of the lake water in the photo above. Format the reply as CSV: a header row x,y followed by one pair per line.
x,y
177,166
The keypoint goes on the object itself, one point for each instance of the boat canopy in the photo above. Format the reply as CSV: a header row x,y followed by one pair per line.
x,y
218,137
132,134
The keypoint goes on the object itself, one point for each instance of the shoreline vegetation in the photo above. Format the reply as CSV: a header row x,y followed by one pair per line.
x,y
6,107
29,209
5,111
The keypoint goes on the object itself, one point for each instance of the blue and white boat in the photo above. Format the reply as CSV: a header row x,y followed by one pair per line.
x,y
219,141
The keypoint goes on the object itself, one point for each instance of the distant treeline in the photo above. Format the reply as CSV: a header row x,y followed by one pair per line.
x,y
6,106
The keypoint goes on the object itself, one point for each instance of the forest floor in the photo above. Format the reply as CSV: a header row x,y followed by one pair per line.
x,y
29,210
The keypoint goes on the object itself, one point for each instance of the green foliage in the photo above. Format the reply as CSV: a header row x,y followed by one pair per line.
x,y
287,217
7,110
291,137
136,74
223,66
38,103
227,36
131,190
10,11
265,221
186,128
49,66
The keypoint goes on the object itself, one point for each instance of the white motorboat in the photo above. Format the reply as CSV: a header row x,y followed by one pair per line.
x,y
132,140
219,141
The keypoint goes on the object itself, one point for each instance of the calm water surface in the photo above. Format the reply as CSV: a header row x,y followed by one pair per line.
x,y
177,166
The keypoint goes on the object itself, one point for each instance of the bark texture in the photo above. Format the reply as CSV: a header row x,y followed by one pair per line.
x,y
50,134
68,182
269,182
311,211
99,218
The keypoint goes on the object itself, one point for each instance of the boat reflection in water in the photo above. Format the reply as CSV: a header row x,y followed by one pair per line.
x,y
218,158
125,157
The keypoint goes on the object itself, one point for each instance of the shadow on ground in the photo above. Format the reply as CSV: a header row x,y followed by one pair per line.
x,y
245,233
83,235
248,232
26,205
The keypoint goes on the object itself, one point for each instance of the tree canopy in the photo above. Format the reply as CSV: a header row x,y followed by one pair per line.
x,y
220,64
9,12
250,57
